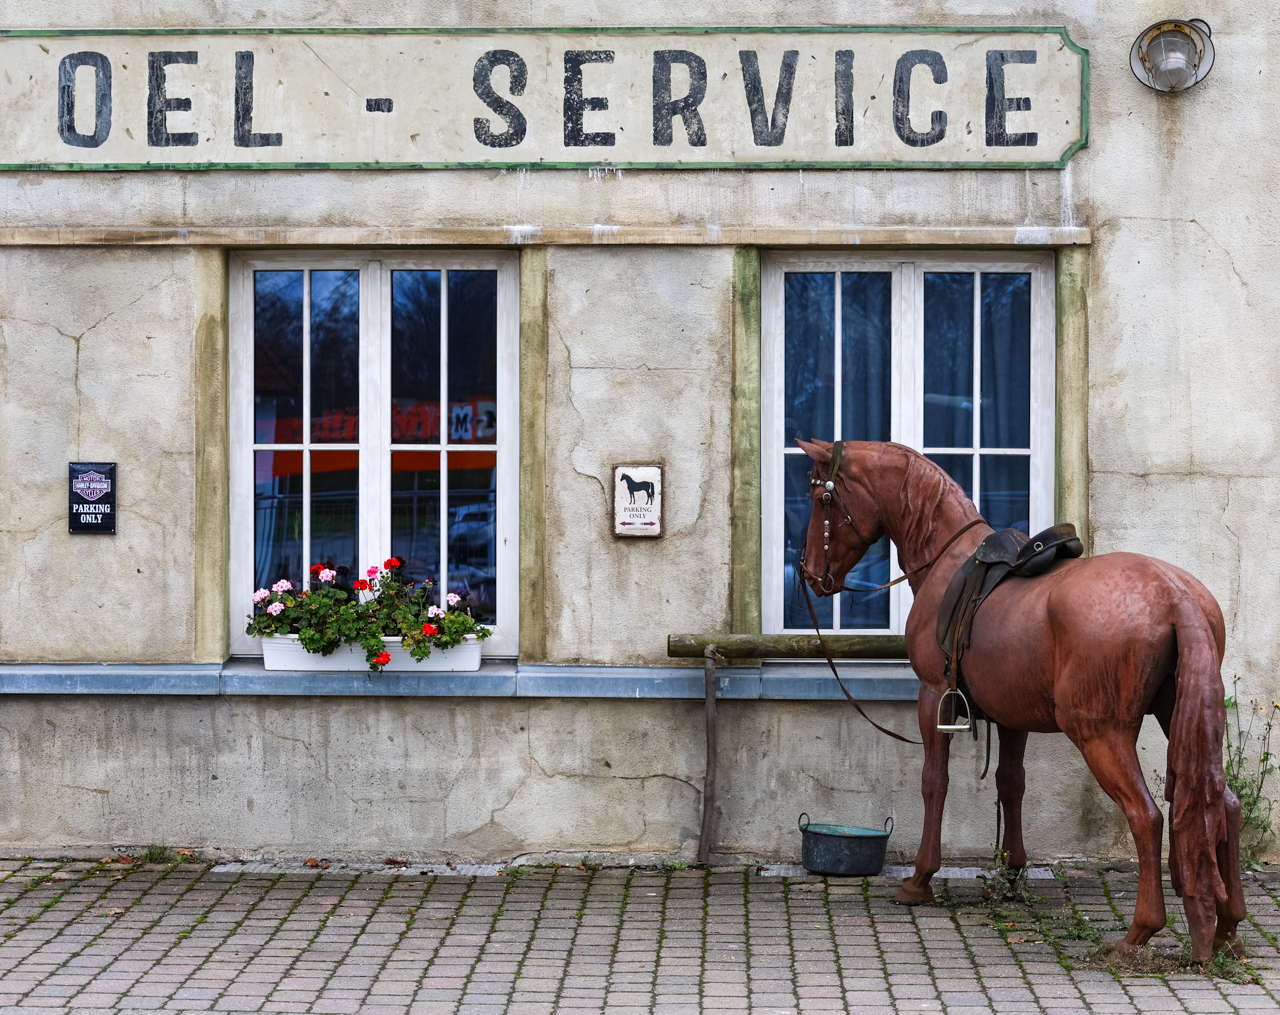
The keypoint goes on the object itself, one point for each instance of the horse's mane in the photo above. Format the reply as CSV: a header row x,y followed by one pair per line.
x,y
925,488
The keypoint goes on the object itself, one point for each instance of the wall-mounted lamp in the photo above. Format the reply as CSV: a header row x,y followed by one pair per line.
x,y
1171,56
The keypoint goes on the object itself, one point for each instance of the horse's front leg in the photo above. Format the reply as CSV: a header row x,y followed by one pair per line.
x,y
1011,783
933,786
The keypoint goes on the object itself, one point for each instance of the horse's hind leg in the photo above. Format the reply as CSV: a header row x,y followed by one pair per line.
x,y
1231,910
1011,783
933,786
1114,763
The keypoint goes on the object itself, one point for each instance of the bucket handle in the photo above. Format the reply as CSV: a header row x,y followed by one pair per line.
x,y
888,825
803,822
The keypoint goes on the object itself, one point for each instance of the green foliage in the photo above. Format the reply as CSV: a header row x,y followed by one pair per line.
x,y
1246,775
157,854
336,611
1007,883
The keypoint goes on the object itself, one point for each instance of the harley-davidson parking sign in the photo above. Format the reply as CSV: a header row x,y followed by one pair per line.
x,y
91,496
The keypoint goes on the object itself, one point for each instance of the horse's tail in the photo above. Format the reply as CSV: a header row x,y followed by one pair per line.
x,y
1195,782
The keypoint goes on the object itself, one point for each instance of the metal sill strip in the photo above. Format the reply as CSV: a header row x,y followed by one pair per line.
x,y
886,680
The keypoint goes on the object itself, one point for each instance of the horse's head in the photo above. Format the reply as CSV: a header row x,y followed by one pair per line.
x,y
845,522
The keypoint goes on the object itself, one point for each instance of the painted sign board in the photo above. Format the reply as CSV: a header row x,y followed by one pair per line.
x,y
91,497
625,98
637,500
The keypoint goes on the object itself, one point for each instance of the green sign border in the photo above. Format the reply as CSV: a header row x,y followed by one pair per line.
x,y
1060,163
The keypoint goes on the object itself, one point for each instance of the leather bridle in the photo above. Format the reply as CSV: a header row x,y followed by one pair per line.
x,y
826,581
827,585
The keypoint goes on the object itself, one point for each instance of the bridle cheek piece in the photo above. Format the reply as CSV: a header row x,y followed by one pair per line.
x,y
826,582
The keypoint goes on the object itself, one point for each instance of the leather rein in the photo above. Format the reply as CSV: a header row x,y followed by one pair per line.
x,y
827,586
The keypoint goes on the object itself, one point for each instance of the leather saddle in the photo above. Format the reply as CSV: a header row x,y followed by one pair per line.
x,y
1004,554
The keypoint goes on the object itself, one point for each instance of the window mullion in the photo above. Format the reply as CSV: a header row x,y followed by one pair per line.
x,y
444,436
977,389
837,406
306,424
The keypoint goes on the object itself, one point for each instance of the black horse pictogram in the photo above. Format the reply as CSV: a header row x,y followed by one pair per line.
x,y
633,486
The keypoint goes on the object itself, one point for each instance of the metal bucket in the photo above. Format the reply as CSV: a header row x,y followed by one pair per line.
x,y
843,849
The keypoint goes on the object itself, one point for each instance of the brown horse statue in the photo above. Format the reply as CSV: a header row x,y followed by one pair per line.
x,y
1086,649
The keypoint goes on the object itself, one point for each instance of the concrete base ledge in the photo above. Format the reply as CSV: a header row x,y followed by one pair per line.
x,y
869,681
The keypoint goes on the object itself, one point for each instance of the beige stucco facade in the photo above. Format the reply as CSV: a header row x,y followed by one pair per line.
x,y
113,347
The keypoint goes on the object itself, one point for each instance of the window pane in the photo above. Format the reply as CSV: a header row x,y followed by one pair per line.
x,y
863,609
948,360
959,468
277,357
797,508
415,357
866,345
415,514
1006,360
277,518
473,571
810,326
335,356
335,498
473,357
1006,502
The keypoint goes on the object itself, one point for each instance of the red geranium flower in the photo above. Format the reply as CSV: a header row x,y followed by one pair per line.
x,y
360,585
391,562
382,659
315,568
430,629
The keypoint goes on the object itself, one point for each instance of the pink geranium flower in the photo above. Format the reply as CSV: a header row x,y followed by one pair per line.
x,y
283,585
373,571
453,598
327,576
275,609
434,611
260,595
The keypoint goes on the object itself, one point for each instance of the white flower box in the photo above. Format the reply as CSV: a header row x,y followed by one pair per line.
x,y
285,652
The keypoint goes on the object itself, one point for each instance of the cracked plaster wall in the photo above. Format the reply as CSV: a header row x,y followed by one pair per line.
x,y
1182,195
639,372
491,779
96,364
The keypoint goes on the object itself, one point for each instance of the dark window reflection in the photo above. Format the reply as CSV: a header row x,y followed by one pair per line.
x,y
866,345
1006,500
1006,360
959,468
809,338
335,511
415,357
473,569
948,360
797,508
277,357
473,357
415,515
867,609
277,518
335,356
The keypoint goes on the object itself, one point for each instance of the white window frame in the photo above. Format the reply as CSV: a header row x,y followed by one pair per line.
x,y
375,445
908,269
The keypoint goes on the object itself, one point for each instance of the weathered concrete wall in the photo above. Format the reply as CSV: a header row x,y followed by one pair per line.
x,y
96,364
1182,194
494,779
639,372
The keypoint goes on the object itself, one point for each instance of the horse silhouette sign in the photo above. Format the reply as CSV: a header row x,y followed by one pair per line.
x,y
637,500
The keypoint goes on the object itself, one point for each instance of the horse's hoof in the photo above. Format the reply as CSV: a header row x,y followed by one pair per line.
x,y
1232,944
914,895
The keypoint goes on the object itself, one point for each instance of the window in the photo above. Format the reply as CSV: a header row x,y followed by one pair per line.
x,y
952,355
374,413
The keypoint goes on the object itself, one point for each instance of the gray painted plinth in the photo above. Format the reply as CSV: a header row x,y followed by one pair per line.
x,y
877,681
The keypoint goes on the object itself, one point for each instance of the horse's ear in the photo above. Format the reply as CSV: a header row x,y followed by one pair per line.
x,y
819,451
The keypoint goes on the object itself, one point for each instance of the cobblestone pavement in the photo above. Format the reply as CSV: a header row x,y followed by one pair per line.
x,y
255,937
